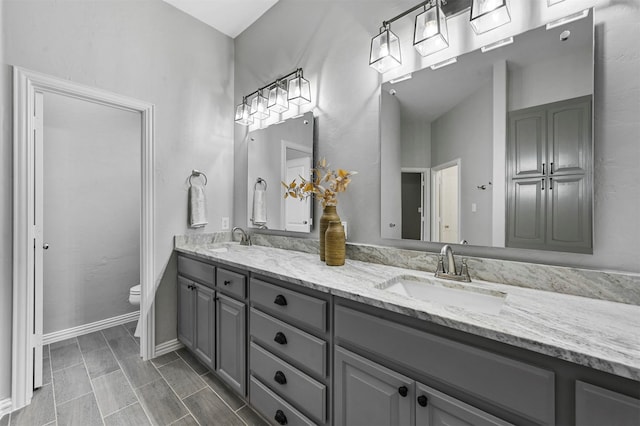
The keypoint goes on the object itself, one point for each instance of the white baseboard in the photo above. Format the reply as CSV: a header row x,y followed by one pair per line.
x,y
80,330
5,407
166,347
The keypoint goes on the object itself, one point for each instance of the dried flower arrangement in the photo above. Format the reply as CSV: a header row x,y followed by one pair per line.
x,y
325,184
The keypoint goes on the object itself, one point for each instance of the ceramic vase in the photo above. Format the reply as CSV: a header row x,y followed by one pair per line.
x,y
329,214
334,246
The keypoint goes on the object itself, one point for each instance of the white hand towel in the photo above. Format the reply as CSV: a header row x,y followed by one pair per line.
x,y
259,206
197,207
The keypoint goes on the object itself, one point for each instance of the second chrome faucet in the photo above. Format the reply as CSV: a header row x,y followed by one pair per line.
x,y
447,266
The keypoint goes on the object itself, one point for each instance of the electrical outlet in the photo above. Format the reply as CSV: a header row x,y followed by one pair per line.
x,y
225,223
344,224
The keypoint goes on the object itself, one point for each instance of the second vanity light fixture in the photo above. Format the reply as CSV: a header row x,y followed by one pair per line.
x,y
431,34
274,97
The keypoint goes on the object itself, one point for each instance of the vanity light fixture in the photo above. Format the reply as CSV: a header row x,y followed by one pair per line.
x,y
385,50
293,88
430,33
500,43
299,89
444,63
488,14
243,113
567,19
278,98
259,106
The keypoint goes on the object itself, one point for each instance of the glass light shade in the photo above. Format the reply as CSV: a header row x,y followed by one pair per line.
x,y
552,2
299,91
243,114
488,14
430,32
278,101
259,107
385,51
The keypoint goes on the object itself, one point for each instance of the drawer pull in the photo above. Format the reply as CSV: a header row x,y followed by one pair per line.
x,y
280,378
422,401
403,391
280,338
280,417
280,300
227,282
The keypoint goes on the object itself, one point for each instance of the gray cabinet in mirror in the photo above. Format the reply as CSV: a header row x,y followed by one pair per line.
x,y
279,153
445,136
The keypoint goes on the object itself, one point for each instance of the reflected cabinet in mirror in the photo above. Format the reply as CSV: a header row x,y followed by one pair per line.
x,y
496,149
279,153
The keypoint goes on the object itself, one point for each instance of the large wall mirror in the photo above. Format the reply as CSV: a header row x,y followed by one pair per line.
x,y
279,153
496,149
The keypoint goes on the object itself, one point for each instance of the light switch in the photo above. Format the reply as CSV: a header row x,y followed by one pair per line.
x,y
474,207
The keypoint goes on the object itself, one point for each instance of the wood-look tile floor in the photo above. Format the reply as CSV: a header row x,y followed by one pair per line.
x,y
99,379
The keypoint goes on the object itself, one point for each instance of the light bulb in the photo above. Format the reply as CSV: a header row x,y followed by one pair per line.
x,y
430,29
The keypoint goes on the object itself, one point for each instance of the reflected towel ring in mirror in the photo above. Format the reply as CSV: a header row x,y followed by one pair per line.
x,y
260,181
198,173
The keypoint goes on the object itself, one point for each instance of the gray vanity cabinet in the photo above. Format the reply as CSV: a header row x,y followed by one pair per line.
x,y
549,180
231,342
196,319
367,393
596,406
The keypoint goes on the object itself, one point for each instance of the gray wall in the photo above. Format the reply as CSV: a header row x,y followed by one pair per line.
x,y
391,151
332,42
416,143
91,211
147,50
465,132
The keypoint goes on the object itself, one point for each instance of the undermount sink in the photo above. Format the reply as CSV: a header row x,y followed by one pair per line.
x,y
224,247
437,291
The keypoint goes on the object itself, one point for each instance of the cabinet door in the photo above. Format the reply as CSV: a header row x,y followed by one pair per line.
x,y
526,212
569,213
569,136
597,406
367,393
186,326
527,143
203,343
231,338
433,408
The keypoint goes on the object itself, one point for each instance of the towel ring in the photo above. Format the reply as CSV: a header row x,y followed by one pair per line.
x,y
198,173
260,181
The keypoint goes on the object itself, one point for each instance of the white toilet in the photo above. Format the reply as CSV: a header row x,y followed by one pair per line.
x,y
134,299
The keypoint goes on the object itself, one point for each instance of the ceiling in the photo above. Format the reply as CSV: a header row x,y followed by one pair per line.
x,y
230,17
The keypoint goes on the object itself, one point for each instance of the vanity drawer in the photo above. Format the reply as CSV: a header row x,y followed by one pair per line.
x,y
513,385
290,304
305,349
274,408
231,282
291,383
200,271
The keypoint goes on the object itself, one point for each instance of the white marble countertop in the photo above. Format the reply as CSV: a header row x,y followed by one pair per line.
x,y
599,334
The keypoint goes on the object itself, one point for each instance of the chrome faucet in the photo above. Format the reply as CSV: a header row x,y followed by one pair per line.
x,y
245,240
449,270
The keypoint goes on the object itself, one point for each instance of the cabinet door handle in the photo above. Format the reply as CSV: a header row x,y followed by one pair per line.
x,y
280,338
280,377
551,168
280,300
403,391
550,183
543,184
422,401
543,167
227,282
280,417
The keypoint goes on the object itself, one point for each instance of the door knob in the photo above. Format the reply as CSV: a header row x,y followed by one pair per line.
x,y
45,246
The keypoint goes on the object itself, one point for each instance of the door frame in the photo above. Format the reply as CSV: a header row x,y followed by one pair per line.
x,y
25,84
435,228
425,173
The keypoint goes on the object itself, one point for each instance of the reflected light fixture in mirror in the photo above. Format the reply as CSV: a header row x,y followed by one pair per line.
x,y
430,30
243,113
489,14
278,98
259,106
385,50
299,89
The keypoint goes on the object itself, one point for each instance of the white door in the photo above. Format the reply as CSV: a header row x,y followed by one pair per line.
x,y
297,213
446,203
39,245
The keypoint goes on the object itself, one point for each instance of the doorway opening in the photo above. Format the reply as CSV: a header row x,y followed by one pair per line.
x,y
415,194
28,243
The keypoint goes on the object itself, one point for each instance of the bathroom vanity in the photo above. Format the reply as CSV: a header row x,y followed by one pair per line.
x,y
305,343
